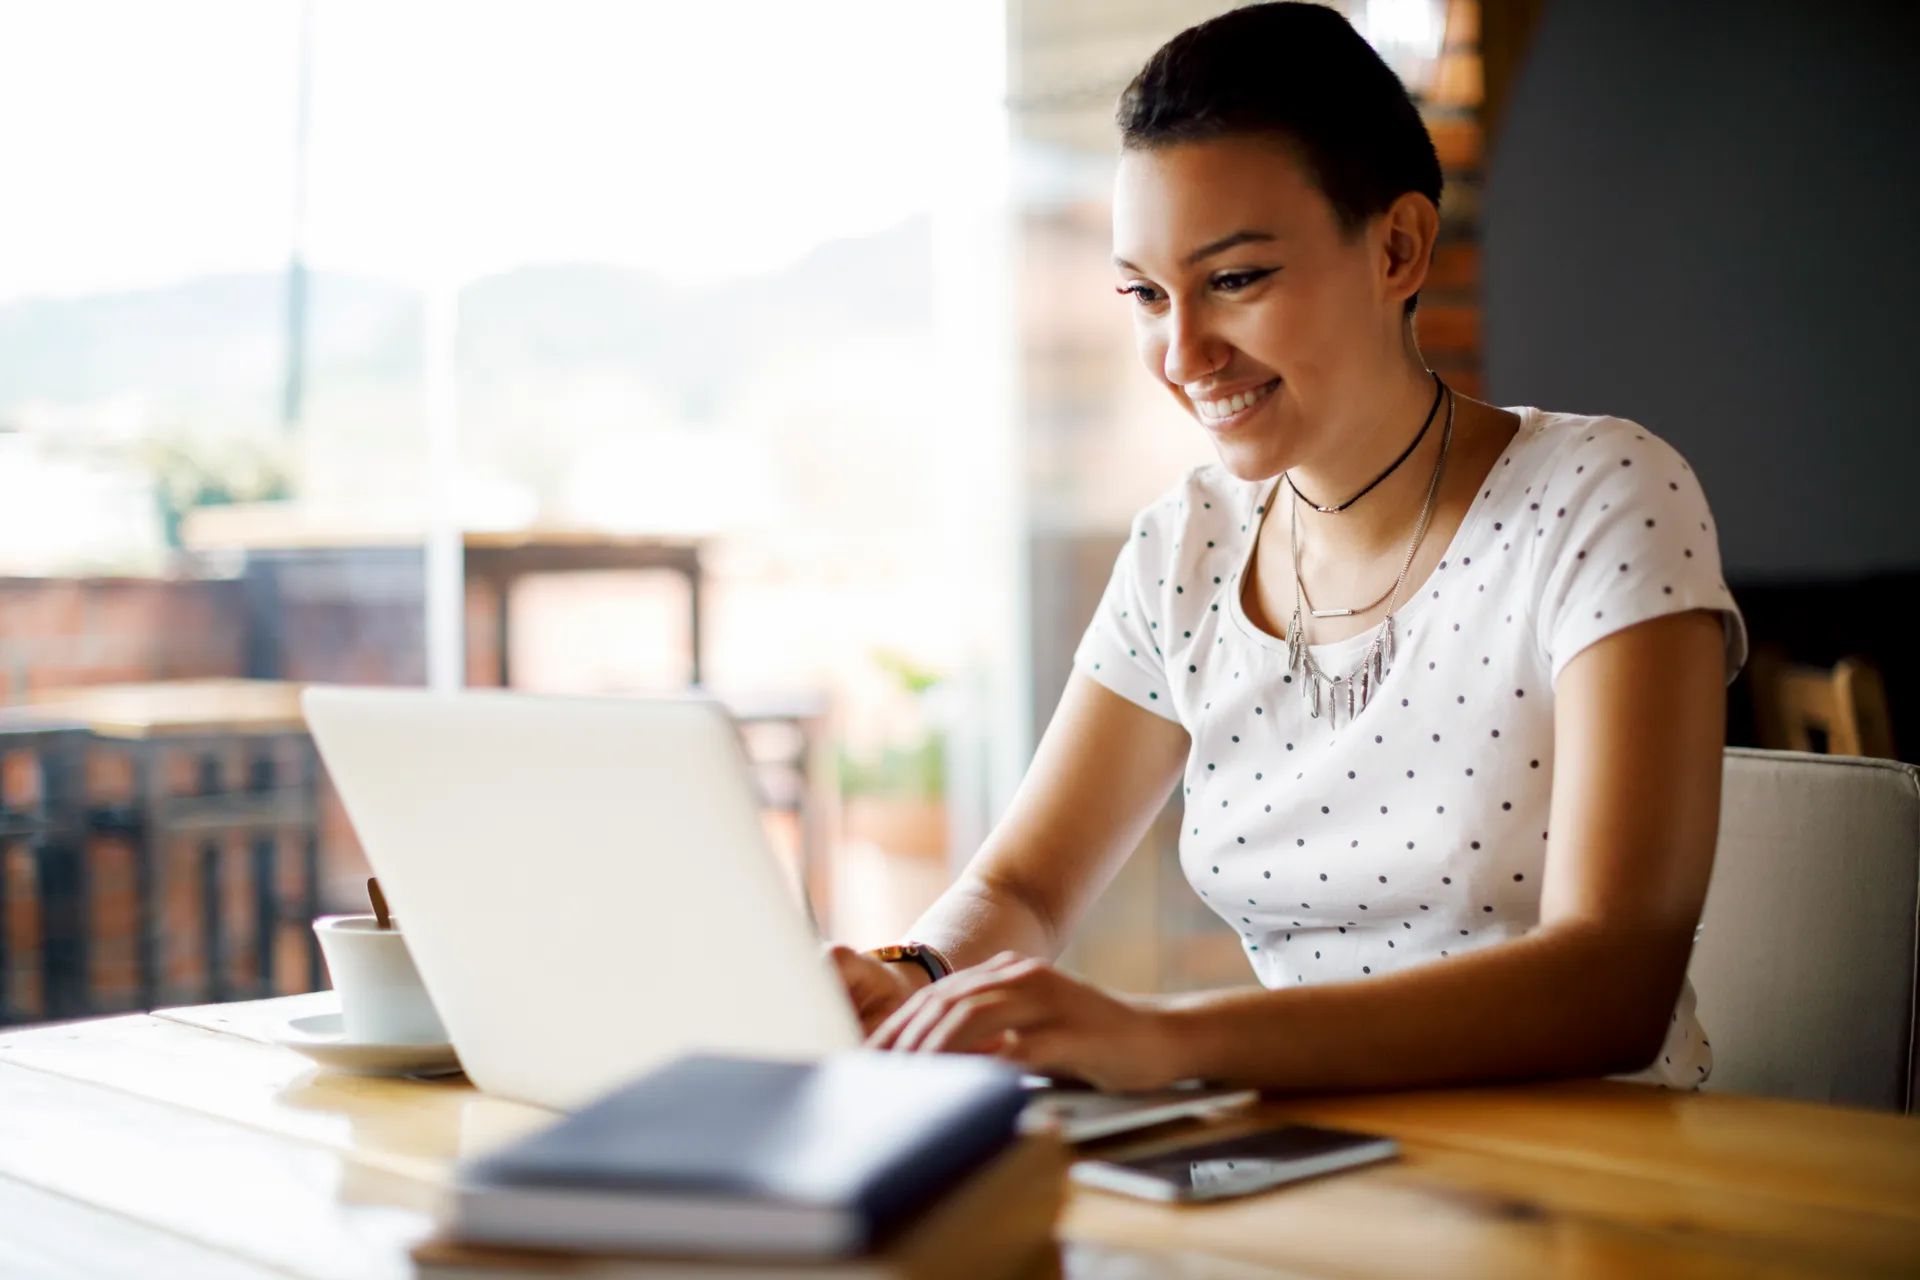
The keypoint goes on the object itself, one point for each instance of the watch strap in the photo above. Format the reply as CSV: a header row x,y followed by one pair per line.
x,y
920,953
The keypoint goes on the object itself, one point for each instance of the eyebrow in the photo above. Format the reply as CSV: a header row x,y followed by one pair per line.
x,y
1244,236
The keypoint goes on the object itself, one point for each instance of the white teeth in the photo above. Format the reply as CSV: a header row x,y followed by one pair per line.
x,y
1226,408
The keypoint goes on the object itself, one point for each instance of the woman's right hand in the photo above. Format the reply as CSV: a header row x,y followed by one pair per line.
x,y
876,987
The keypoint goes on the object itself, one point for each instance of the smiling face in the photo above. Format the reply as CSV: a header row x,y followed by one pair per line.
x,y
1282,328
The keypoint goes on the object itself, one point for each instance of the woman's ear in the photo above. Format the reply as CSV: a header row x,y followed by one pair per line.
x,y
1411,225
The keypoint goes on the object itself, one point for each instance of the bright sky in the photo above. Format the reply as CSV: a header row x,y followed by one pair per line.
x,y
141,143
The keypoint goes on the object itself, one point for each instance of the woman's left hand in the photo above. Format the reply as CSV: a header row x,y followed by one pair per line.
x,y
1025,1010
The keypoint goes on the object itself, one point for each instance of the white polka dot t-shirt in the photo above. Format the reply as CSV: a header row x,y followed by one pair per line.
x,y
1340,849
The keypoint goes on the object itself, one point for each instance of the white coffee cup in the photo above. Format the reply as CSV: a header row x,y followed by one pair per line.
x,y
382,1000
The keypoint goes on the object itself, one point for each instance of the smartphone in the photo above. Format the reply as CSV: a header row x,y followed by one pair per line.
x,y
1224,1167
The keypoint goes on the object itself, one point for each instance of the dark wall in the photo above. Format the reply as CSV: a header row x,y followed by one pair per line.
x,y
1705,216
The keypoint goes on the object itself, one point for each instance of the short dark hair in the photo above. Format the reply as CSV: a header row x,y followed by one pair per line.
x,y
1300,74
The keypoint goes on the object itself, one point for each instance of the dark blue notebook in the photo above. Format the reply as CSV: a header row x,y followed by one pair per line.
x,y
726,1154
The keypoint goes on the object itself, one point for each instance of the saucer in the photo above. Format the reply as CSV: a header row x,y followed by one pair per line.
x,y
323,1037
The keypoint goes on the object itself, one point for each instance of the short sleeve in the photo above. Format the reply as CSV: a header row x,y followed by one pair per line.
x,y
1120,647
1624,536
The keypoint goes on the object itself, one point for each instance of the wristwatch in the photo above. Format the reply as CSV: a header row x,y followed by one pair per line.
x,y
926,956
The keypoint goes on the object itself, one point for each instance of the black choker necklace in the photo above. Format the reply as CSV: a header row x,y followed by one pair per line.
x,y
1438,388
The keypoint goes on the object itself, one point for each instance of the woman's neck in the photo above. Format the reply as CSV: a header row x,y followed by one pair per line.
x,y
1362,441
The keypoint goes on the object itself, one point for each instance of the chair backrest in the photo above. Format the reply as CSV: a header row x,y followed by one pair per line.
x,y
1846,705
1805,963
44,838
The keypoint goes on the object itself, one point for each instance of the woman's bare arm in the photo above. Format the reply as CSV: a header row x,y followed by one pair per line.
x,y
1103,769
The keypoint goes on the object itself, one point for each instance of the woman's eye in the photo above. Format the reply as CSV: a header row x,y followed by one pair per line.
x,y
1234,281
1231,282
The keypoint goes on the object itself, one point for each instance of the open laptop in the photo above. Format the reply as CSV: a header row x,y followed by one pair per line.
x,y
587,890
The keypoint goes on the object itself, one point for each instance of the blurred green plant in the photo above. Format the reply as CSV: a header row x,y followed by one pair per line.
x,y
915,678
201,470
916,769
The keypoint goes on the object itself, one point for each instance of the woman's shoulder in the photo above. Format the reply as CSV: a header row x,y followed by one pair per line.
x,y
1205,495
1589,464
1201,521
1621,532
1563,440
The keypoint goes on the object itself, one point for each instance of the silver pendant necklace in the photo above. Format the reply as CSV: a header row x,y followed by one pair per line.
x,y
1356,686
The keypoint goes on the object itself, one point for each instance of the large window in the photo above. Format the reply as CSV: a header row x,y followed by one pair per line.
x,y
480,344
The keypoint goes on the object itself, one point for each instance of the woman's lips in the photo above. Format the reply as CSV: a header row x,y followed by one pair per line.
x,y
1221,425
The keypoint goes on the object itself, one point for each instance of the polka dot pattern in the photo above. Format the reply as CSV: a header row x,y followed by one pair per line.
x,y
1624,554
1419,831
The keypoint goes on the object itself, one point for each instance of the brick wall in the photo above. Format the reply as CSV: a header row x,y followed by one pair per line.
x,y
1448,321
73,631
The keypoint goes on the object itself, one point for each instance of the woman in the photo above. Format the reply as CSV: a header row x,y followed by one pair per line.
x,y
1447,681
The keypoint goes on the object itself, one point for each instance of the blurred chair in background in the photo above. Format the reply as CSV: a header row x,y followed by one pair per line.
x,y
41,967
1840,711
108,878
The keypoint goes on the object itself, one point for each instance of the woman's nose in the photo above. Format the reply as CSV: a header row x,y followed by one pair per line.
x,y
1192,351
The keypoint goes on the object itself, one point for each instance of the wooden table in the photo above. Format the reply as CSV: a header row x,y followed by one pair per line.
x,y
174,708
182,1142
